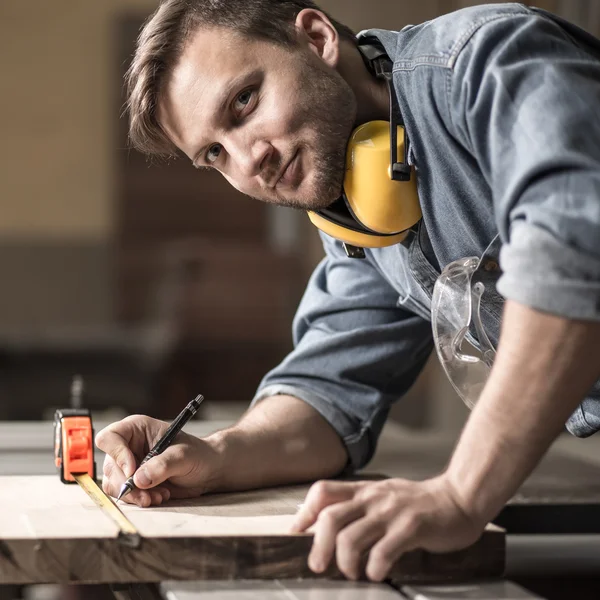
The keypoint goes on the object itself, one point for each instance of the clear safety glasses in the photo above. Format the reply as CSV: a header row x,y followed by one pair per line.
x,y
455,316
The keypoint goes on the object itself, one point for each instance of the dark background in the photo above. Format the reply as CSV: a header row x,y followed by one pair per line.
x,y
153,282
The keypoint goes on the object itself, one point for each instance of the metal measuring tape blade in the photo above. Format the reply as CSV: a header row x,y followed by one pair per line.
x,y
128,534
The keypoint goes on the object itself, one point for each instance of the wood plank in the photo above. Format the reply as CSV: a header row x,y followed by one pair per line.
x,y
401,453
46,508
51,532
279,590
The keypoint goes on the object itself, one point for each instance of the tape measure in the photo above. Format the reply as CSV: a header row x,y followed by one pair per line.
x,y
73,443
127,531
74,459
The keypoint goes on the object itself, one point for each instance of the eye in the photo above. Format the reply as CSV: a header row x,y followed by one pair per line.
x,y
213,153
243,100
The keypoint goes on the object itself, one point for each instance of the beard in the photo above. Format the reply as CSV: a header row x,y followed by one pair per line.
x,y
328,110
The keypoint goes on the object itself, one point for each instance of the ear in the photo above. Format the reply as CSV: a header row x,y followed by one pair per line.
x,y
315,29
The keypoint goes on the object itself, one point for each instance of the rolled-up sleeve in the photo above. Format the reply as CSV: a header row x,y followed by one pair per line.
x,y
355,351
525,98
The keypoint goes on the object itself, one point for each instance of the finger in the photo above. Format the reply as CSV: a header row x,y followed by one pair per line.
x,y
114,478
171,463
112,486
144,498
164,492
329,523
155,497
114,441
353,542
320,495
389,549
109,468
140,497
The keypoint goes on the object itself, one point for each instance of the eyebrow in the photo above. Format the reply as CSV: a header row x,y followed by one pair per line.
x,y
228,88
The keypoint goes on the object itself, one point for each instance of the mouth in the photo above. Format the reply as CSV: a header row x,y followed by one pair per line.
x,y
289,173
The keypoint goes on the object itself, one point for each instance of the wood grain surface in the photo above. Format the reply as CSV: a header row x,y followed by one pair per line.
x,y
51,532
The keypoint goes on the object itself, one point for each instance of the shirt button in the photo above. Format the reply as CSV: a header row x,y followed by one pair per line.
x,y
491,265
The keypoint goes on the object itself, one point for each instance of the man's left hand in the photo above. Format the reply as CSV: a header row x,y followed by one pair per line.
x,y
384,519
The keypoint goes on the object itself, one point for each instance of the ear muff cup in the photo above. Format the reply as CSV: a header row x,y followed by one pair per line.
x,y
379,203
374,210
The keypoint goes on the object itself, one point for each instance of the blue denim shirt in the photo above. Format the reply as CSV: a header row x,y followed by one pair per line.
x,y
501,105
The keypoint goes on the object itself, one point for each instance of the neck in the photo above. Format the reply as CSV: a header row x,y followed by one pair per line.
x,y
372,95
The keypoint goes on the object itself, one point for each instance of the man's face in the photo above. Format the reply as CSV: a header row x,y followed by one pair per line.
x,y
274,121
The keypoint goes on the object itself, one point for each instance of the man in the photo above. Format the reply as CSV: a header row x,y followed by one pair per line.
x,y
499,103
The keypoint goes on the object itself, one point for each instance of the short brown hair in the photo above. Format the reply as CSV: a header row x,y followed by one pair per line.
x,y
162,41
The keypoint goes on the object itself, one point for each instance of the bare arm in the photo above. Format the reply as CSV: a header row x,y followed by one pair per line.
x,y
544,367
280,440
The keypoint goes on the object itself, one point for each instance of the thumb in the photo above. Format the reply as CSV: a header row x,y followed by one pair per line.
x,y
159,468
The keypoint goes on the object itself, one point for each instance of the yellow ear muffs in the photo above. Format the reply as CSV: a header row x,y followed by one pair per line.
x,y
375,210
376,200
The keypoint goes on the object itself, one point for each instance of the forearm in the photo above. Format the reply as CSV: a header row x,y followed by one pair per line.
x,y
544,367
280,440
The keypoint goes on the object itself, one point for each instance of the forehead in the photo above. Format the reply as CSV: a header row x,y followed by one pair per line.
x,y
213,53
211,59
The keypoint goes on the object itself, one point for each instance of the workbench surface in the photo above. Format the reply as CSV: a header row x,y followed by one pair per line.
x,y
561,478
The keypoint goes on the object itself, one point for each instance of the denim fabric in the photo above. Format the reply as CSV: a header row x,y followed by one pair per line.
x,y
500,103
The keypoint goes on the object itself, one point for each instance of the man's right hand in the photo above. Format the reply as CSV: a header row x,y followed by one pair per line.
x,y
281,440
188,468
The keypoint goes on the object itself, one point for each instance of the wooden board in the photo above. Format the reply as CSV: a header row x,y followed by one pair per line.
x,y
51,532
278,589
564,484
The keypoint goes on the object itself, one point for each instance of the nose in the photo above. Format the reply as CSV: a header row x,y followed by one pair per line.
x,y
251,157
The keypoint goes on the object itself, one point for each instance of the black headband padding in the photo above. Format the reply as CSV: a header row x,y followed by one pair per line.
x,y
339,213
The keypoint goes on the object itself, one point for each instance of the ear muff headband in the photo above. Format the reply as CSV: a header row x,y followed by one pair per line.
x,y
337,222
355,238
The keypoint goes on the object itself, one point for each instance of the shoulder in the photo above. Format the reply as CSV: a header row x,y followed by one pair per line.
x,y
441,40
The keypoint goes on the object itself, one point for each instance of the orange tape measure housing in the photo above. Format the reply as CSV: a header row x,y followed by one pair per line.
x,y
73,444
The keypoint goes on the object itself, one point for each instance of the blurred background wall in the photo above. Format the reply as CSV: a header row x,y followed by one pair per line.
x,y
153,282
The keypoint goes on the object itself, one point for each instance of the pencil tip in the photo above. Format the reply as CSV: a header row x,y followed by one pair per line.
x,y
124,489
